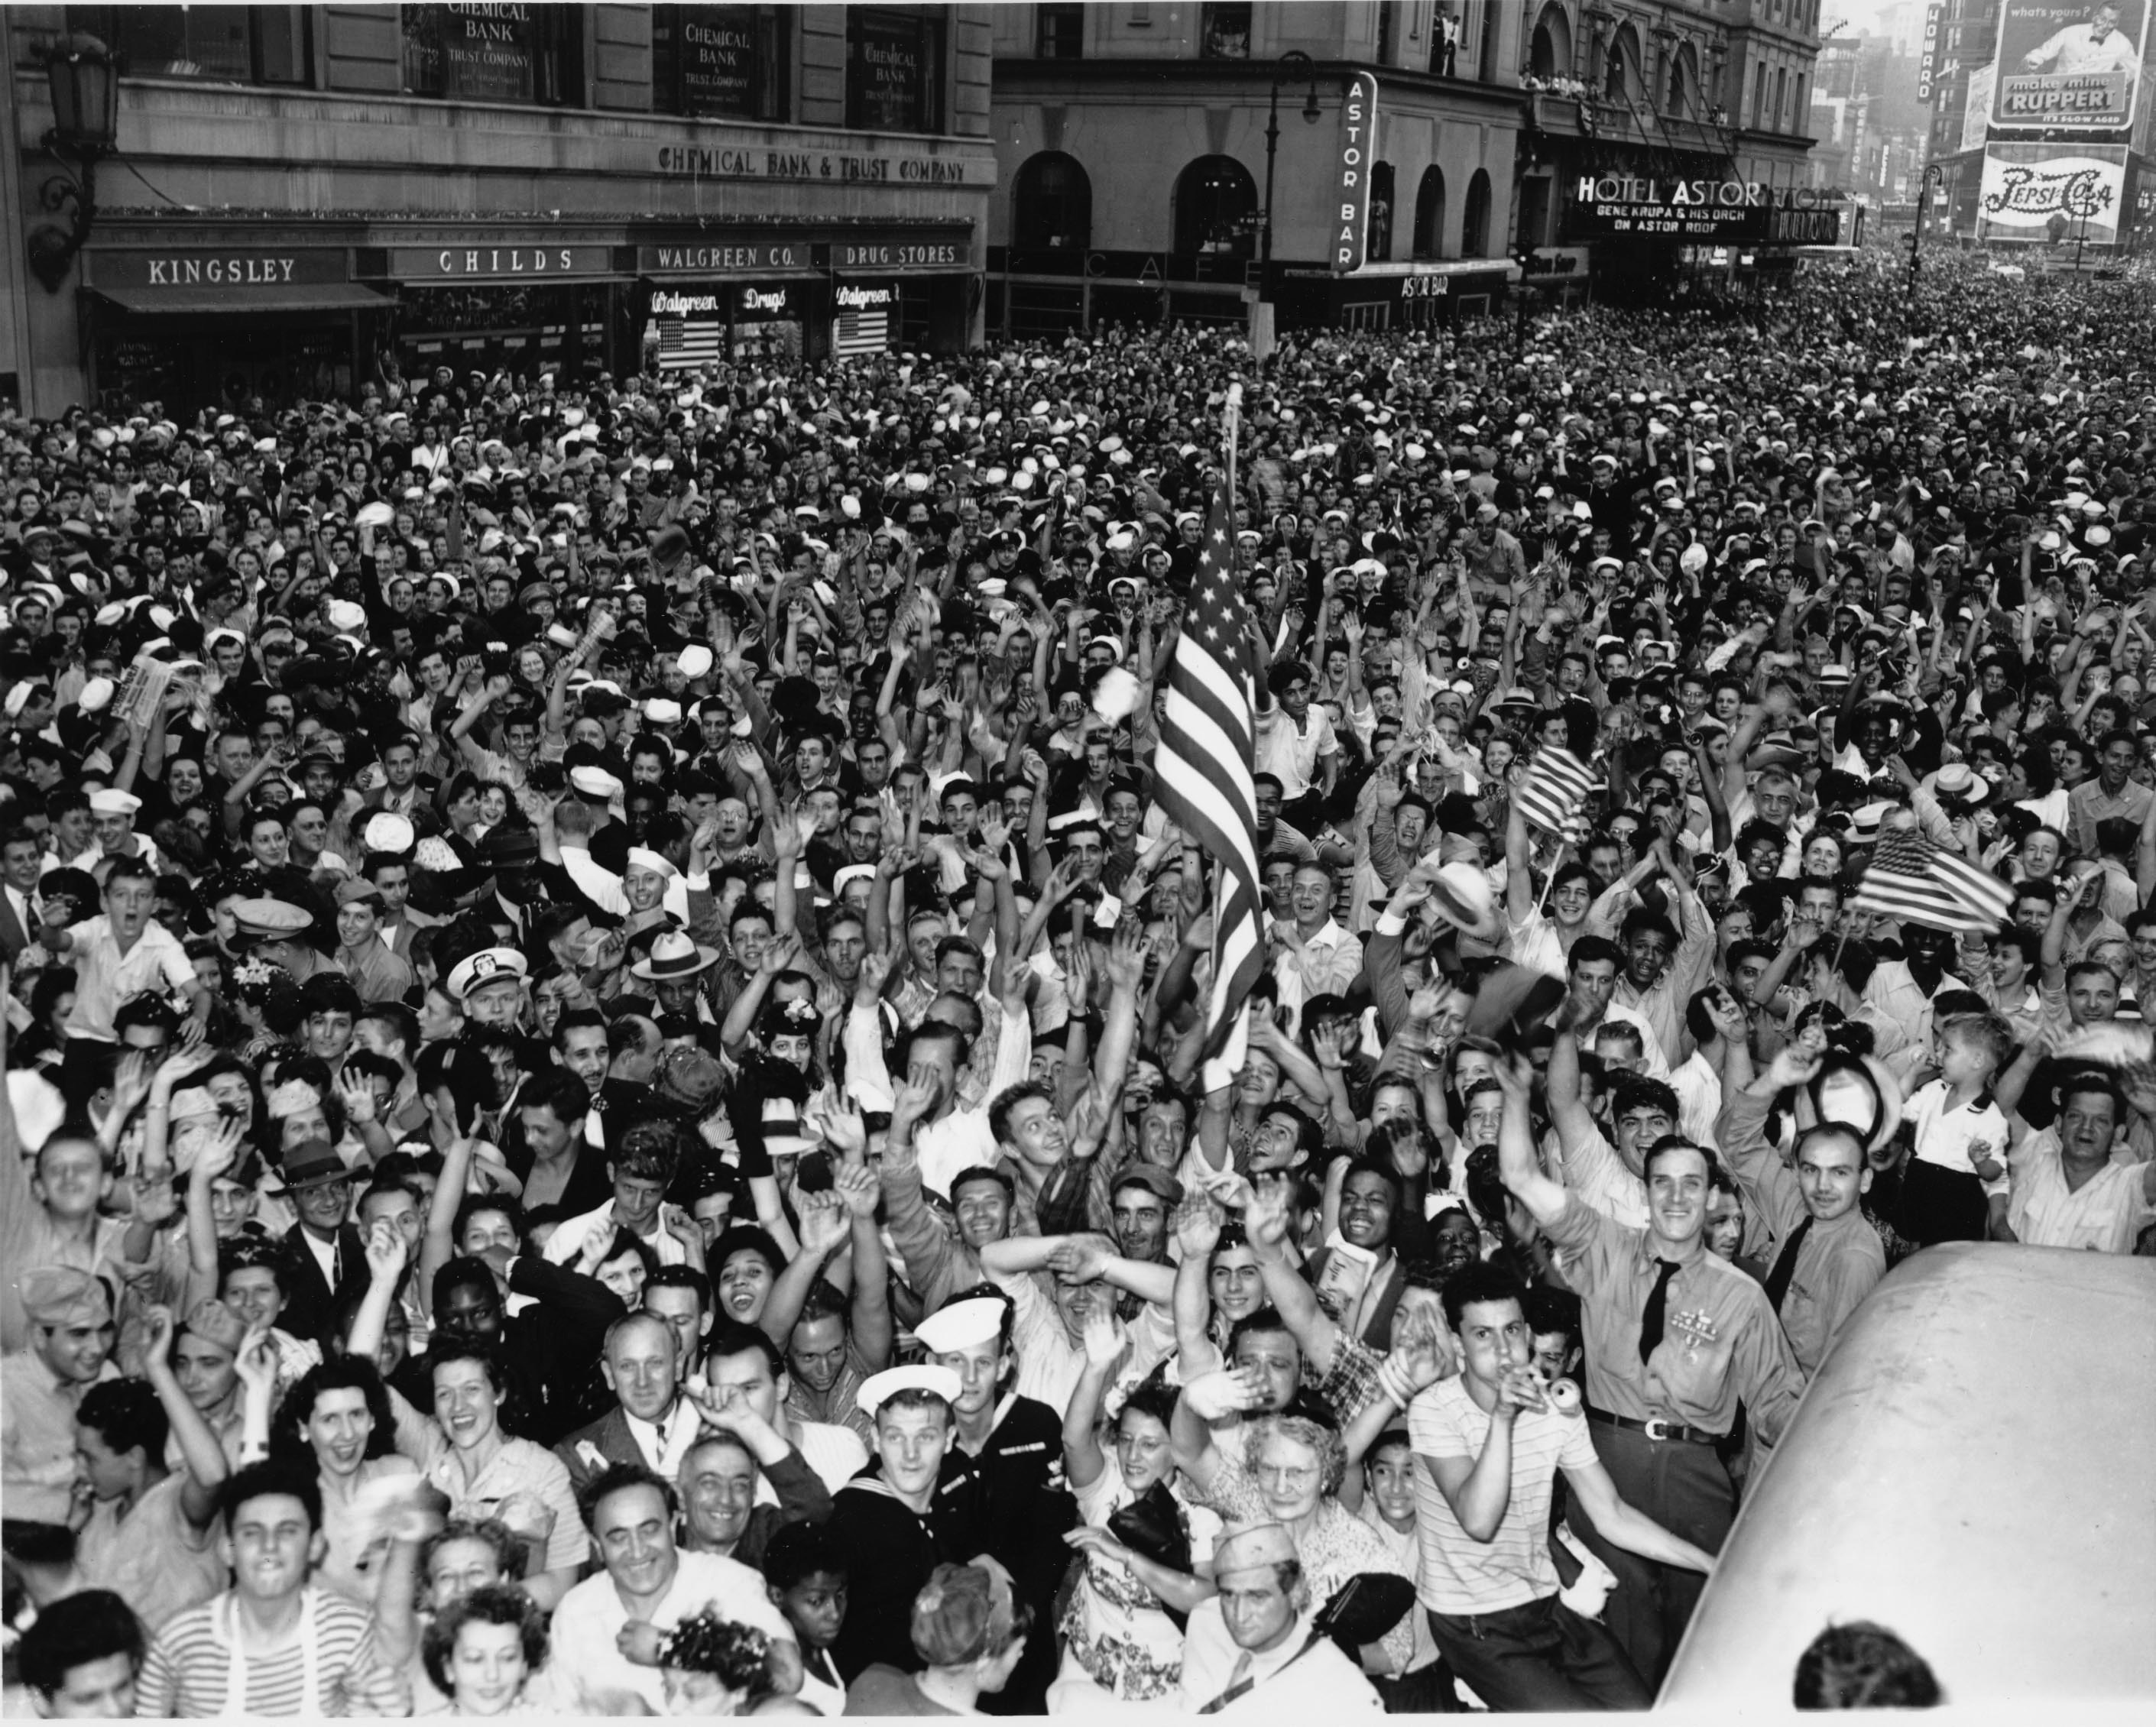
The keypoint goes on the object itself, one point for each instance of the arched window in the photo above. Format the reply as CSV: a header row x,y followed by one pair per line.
x,y
1215,199
1620,71
1430,214
1681,93
1474,219
1051,204
1383,204
1549,55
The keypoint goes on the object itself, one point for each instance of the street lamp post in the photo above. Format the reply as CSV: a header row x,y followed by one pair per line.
x,y
84,77
1294,60
1932,172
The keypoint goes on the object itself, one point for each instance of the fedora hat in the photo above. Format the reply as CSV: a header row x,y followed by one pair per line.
x,y
1960,783
674,955
311,1164
1461,896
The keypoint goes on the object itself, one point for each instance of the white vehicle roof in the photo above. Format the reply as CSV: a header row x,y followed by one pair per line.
x,y
1974,1468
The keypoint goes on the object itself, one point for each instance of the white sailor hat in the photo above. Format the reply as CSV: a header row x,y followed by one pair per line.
x,y
962,1325
879,1388
490,964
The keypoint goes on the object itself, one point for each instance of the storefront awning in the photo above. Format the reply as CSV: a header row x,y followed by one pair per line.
x,y
247,297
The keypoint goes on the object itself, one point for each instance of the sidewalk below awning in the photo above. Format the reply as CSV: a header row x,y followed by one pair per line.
x,y
248,297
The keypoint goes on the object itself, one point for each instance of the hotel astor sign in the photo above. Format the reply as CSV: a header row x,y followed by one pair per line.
x,y
1704,209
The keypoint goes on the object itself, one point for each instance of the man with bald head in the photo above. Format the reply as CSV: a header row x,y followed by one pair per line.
x,y
651,1423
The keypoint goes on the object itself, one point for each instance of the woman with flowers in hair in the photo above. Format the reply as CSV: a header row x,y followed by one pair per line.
x,y
711,1665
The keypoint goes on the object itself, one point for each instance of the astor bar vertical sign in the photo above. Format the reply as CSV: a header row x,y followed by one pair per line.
x,y
1358,129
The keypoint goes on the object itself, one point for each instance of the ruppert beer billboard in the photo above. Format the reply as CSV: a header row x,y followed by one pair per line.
x,y
2069,65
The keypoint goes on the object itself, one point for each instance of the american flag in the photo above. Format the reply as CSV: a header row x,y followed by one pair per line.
x,y
1913,881
1205,774
1556,789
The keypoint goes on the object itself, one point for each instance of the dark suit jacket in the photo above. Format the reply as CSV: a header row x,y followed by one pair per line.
x,y
608,1436
309,1300
801,1492
424,784
13,937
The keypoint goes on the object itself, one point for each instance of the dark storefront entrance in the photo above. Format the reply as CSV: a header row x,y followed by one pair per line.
x,y
193,328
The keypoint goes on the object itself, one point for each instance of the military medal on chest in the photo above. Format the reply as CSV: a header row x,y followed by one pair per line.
x,y
1697,1327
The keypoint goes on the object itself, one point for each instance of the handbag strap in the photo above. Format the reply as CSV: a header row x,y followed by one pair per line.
x,y
1243,1687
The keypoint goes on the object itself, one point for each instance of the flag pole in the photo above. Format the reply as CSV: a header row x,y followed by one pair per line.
x,y
1234,427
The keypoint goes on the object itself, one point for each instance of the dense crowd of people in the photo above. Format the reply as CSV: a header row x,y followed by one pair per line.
x,y
607,1103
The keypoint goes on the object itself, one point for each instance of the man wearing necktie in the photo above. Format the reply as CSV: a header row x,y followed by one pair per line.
x,y
1826,1255
1676,1340
649,1424
21,856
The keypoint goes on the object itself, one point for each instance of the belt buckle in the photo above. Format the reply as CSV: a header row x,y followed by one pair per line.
x,y
1655,1428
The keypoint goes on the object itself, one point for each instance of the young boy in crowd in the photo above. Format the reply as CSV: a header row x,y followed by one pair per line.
x,y
1960,1134
805,1576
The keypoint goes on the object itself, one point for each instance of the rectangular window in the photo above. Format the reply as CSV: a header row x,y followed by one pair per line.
x,y
1223,31
221,45
894,71
1062,32
722,62
495,52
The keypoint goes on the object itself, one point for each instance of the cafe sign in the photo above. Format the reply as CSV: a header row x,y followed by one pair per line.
x,y
498,262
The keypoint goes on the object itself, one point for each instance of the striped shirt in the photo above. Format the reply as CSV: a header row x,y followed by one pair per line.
x,y
1459,1575
191,1662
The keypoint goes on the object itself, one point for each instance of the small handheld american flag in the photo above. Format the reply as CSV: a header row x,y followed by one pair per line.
x,y
1556,790
1913,881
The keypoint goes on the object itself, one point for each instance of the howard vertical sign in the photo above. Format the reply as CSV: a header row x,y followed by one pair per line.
x,y
1351,205
1927,66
